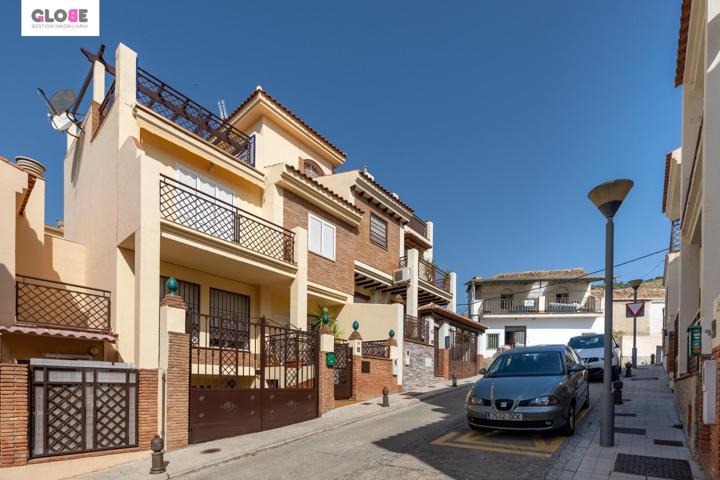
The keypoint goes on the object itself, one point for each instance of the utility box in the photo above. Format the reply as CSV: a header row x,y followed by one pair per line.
x,y
709,389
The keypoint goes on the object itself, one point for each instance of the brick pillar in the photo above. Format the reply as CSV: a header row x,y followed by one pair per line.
x,y
147,406
14,414
178,391
713,468
326,376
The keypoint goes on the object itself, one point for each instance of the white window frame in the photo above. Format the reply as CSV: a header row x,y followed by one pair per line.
x,y
323,224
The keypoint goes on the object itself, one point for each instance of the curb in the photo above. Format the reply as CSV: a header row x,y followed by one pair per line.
x,y
255,451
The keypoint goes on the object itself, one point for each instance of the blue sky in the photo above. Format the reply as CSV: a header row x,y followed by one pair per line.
x,y
494,119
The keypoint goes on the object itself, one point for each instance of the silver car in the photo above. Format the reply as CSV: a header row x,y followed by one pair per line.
x,y
530,388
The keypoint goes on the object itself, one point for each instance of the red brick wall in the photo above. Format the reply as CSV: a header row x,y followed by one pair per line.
x,y
338,274
147,407
178,390
370,385
14,411
326,386
712,469
703,430
385,259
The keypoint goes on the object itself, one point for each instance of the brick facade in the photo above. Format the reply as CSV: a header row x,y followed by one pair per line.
x,y
147,407
178,391
326,394
338,274
370,385
384,259
14,412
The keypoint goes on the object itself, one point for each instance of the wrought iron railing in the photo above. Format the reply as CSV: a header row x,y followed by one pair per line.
x,y
161,98
675,236
416,329
511,305
106,104
430,273
418,224
57,304
194,209
588,304
376,348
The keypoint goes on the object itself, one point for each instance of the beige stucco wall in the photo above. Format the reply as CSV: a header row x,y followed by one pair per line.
x,y
12,183
375,320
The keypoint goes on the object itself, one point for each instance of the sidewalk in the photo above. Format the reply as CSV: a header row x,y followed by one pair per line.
x,y
191,458
647,415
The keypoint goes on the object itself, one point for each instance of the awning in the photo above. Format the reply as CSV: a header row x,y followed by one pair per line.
x,y
58,332
452,317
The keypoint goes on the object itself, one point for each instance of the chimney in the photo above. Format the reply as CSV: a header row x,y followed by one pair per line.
x,y
34,170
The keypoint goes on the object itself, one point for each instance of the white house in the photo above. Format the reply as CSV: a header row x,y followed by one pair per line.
x,y
534,308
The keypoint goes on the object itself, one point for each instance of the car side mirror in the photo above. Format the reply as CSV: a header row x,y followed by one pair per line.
x,y
577,368
483,371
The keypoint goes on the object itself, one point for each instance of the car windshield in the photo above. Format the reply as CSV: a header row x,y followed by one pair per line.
x,y
589,341
525,364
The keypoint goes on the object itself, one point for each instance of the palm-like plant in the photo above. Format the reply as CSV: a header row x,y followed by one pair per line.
x,y
332,313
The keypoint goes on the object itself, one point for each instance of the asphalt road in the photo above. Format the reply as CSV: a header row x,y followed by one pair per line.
x,y
426,440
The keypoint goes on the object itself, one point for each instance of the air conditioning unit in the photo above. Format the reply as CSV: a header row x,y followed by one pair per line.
x,y
401,275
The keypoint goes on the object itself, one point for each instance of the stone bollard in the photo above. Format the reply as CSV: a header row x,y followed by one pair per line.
x,y
454,380
158,462
386,398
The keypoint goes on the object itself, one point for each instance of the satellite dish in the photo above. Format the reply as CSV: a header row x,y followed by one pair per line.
x,y
61,101
61,122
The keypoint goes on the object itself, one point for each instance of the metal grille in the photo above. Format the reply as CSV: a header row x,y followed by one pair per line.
x,y
193,117
416,329
653,466
343,370
58,304
376,348
82,409
192,208
463,353
675,236
378,231
106,104
431,274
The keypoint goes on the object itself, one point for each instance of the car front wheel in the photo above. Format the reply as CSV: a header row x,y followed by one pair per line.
x,y
569,428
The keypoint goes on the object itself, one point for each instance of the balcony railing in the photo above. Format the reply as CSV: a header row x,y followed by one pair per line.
x,y
193,117
675,235
61,305
416,329
194,209
559,305
511,305
431,274
418,224
376,348
106,104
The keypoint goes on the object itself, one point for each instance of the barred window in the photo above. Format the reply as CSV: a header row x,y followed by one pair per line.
x,y
378,231
493,340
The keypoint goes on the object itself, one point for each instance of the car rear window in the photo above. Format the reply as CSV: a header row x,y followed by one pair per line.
x,y
589,341
526,364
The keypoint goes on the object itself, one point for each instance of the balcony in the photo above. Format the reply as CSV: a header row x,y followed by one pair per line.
x,y
194,209
429,273
418,225
416,329
193,117
675,235
544,305
61,305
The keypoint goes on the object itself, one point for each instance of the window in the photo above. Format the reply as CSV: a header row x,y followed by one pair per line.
x,y
233,311
515,336
378,231
200,213
321,237
311,169
493,341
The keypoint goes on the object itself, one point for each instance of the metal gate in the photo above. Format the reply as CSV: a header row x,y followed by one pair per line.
x,y
248,375
343,370
80,408
463,354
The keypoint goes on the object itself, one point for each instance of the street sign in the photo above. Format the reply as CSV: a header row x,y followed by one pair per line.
x,y
634,309
695,340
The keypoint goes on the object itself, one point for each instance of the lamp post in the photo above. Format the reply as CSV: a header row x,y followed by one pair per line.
x,y
608,197
635,284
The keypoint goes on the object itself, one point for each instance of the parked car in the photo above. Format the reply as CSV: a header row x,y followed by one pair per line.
x,y
590,347
530,388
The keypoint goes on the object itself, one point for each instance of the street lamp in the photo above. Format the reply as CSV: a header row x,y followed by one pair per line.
x,y
608,197
635,284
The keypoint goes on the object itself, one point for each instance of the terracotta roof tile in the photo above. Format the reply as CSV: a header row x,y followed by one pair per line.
x,y
542,274
668,158
57,332
644,293
372,180
436,309
286,110
319,185
682,41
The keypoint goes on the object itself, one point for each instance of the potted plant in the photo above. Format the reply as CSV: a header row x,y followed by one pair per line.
x,y
628,369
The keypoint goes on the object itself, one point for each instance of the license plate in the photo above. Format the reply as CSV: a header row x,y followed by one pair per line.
x,y
503,416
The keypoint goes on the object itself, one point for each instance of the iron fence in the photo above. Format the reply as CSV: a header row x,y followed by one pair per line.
x,y
193,117
416,329
376,348
194,209
106,104
82,409
430,273
511,305
58,304
418,224
559,305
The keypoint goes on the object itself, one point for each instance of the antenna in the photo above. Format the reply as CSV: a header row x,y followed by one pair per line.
x,y
222,108
59,108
